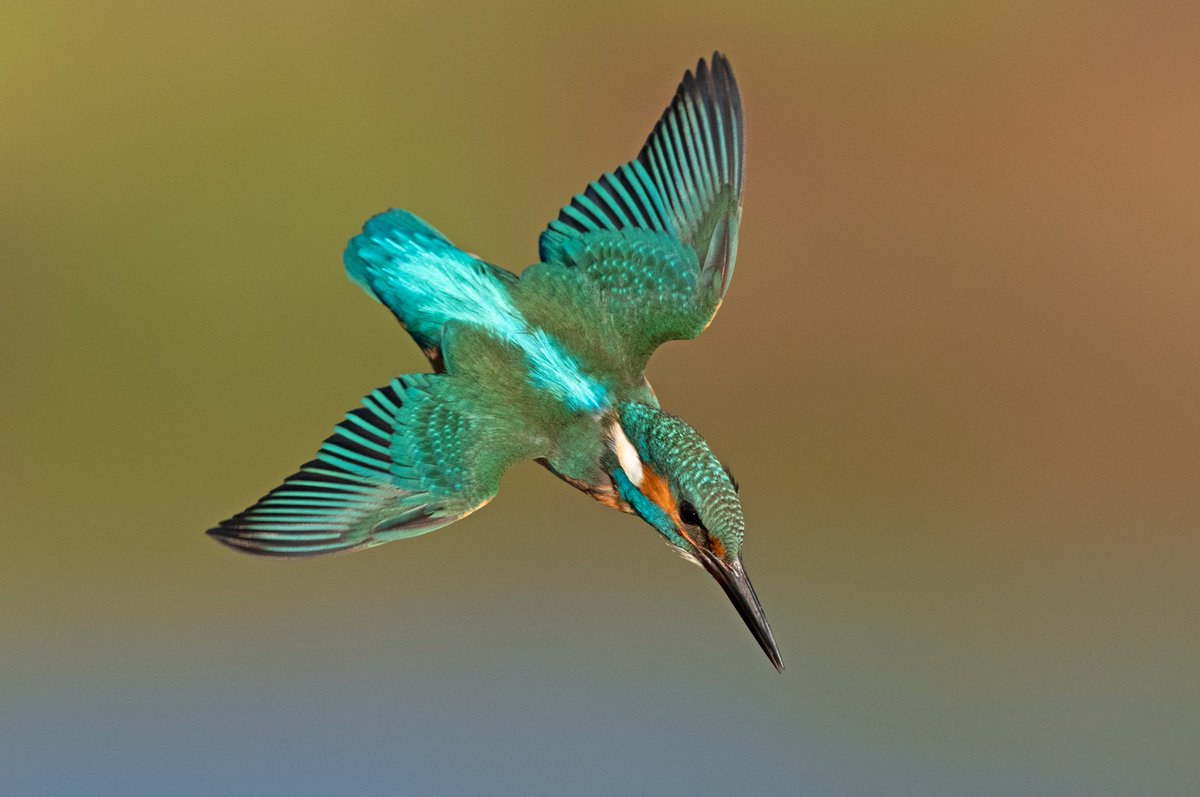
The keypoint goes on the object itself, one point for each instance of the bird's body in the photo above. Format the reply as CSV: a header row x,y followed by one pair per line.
x,y
546,366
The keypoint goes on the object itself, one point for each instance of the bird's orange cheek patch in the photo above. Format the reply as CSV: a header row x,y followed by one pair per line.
x,y
717,547
655,488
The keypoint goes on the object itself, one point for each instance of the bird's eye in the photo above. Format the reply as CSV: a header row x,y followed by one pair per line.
x,y
687,513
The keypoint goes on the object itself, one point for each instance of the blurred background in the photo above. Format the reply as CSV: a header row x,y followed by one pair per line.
x,y
956,376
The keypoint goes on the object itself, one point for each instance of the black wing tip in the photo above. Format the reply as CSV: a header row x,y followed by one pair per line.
x,y
713,87
230,534
236,538
715,69
719,64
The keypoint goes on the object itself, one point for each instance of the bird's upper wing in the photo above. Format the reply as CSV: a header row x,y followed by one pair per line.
x,y
657,237
418,454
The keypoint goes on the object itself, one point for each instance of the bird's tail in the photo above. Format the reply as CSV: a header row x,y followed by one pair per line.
x,y
426,281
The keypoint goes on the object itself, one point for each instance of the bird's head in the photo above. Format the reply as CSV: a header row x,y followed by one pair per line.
x,y
664,470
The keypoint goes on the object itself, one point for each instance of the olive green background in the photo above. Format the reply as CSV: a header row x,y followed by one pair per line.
x,y
956,374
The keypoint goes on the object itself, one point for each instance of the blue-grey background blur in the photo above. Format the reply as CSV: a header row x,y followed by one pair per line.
x,y
956,375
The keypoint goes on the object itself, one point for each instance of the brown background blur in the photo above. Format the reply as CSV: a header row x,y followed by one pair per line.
x,y
956,376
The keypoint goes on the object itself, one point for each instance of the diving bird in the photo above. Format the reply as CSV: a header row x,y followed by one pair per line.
x,y
546,366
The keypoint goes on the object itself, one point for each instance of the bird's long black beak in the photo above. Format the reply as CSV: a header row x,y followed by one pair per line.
x,y
733,579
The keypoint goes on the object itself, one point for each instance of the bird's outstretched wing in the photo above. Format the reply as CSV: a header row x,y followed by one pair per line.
x,y
657,237
418,454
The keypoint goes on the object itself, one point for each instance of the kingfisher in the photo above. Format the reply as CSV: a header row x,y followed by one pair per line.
x,y
547,366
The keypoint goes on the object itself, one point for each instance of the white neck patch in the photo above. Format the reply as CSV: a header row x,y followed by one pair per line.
x,y
627,455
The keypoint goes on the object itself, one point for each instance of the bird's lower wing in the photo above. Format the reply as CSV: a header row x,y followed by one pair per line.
x,y
417,455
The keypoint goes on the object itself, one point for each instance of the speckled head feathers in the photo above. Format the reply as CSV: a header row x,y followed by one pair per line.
x,y
698,483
